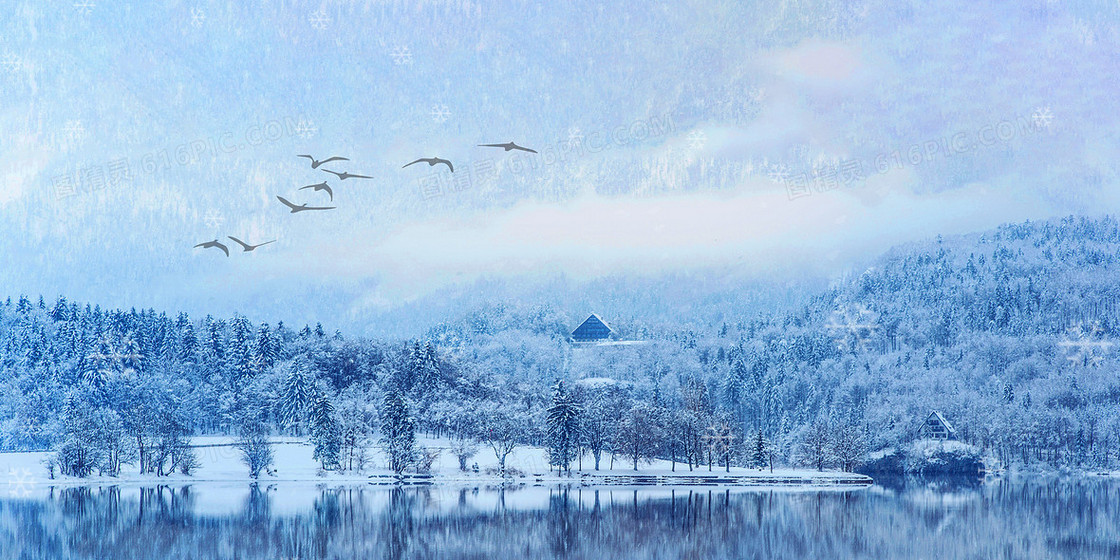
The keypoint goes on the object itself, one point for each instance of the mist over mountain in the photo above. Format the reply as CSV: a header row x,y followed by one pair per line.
x,y
1010,333
745,139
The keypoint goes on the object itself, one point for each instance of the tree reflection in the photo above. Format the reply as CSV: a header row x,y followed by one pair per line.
x,y
912,518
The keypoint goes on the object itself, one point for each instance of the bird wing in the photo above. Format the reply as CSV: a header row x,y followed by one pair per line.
x,y
320,208
493,145
413,163
358,176
266,243
316,187
448,163
334,158
286,203
523,148
335,173
222,247
329,191
240,242
203,244
306,156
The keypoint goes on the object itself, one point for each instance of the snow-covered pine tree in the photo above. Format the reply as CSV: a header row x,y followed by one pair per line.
x,y
188,345
239,353
563,418
101,363
295,398
426,371
761,451
325,433
131,357
398,435
264,353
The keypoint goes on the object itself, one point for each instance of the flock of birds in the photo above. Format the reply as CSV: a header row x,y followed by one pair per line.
x,y
323,186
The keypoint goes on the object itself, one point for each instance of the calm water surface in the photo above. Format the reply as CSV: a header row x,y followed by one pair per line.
x,y
943,520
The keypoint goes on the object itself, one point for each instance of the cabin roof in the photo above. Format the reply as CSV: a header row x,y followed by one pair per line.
x,y
592,328
940,418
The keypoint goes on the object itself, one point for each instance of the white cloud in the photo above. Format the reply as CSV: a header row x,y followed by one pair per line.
x,y
757,230
21,165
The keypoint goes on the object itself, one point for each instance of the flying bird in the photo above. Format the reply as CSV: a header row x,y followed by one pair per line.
x,y
320,187
304,206
214,244
316,163
247,247
431,162
344,175
509,146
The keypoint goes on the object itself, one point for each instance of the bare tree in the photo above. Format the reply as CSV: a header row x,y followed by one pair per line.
x,y
463,449
499,431
848,447
815,444
637,435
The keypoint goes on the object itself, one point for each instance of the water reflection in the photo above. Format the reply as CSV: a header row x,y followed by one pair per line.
x,y
894,519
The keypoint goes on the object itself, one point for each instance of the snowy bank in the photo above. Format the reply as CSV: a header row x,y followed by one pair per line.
x,y
220,462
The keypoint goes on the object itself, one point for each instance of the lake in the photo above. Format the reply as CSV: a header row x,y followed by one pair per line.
x,y
946,519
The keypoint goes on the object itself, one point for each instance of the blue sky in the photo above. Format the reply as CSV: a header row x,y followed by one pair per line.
x,y
775,140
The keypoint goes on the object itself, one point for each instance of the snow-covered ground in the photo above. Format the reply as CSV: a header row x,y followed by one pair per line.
x,y
220,462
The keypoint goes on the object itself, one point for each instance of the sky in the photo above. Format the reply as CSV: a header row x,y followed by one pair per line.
x,y
746,142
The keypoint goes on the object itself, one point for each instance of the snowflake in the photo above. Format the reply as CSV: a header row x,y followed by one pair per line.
x,y
197,17
1042,117
778,173
319,20
718,438
305,128
20,483
402,56
1085,346
213,219
74,130
697,139
440,113
84,8
575,136
852,326
11,62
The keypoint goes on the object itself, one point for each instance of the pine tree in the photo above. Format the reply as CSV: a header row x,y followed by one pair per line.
x,y
188,345
101,364
264,353
427,373
563,427
398,433
295,399
59,311
761,451
325,432
131,357
239,355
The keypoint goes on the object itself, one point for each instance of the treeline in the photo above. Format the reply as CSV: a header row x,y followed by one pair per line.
x,y
1009,334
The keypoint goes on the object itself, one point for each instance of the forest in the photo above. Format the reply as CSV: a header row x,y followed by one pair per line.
x,y
1008,334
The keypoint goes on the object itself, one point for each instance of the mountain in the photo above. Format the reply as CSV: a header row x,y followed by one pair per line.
x,y
1009,334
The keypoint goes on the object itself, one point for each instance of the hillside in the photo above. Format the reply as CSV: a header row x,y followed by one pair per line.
x,y
1008,333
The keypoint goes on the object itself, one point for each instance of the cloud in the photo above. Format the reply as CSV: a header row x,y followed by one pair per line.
x,y
819,63
757,230
21,164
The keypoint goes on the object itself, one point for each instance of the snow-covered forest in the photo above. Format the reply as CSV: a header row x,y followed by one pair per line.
x,y
1002,332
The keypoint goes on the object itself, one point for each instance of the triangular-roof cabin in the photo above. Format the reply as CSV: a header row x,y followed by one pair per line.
x,y
593,329
936,427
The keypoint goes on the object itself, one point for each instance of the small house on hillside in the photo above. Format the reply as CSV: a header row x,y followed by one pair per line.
x,y
936,427
593,329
